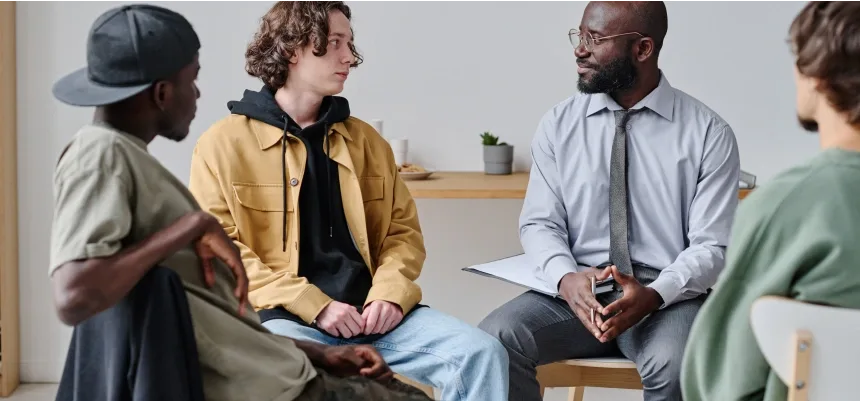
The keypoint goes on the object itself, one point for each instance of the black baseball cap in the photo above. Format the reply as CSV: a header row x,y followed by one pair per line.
x,y
128,49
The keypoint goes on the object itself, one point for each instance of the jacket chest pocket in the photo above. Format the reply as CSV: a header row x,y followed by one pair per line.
x,y
376,212
261,222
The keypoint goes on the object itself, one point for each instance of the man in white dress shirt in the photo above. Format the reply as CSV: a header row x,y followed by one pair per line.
x,y
632,178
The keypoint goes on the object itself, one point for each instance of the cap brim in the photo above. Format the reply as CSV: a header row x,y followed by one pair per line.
x,y
77,89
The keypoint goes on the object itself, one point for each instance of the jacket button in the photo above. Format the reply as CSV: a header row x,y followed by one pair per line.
x,y
294,181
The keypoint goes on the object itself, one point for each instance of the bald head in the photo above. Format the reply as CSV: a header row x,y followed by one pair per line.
x,y
652,19
646,17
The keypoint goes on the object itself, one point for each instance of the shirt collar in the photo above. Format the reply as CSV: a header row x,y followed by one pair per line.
x,y
661,100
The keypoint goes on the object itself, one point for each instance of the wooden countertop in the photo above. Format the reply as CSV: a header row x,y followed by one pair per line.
x,y
477,185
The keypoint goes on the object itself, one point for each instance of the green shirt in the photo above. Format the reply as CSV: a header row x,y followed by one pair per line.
x,y
795,237
110,193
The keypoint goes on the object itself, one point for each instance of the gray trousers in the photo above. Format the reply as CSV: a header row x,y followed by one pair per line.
x,y
537,329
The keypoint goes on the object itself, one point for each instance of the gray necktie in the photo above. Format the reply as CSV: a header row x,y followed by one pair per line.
x,y
619,252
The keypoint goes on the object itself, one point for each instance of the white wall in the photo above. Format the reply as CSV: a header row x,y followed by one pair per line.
x,y
438,73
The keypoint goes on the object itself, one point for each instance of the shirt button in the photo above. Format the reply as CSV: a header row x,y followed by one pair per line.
x,y
629,127
294,181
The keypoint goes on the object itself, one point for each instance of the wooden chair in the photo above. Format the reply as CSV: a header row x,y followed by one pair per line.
x,y
813,349
423,387
578,374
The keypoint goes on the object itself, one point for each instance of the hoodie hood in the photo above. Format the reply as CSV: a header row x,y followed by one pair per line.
x,y
261,105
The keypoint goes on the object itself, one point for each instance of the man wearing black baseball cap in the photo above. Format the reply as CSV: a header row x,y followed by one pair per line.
x,y
126,230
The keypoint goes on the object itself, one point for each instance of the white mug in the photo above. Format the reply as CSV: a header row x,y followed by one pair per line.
x,y
400,147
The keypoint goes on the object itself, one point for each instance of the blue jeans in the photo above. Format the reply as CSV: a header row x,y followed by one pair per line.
x,y
433,348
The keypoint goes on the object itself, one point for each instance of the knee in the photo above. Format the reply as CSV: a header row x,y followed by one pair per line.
x,y
486,348
493,348
505,330
663,370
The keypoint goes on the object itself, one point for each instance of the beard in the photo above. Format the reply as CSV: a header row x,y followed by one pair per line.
x,y
175,135
808,124
616,76
172,129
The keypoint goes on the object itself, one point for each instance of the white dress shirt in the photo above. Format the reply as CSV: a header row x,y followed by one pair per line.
x,y
683,171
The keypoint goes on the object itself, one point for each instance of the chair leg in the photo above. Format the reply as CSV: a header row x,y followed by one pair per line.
x,y
576,394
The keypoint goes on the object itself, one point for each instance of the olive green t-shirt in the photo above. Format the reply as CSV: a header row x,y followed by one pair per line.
x,y
111,193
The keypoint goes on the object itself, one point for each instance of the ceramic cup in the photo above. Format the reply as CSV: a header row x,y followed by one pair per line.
x,y
400,147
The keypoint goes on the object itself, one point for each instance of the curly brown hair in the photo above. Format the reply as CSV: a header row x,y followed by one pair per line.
x,y
825,37
285,29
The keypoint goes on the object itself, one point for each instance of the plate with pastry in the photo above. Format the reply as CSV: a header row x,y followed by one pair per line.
x,y
409,171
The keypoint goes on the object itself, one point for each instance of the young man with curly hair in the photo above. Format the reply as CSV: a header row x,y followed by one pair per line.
x,y
796,236
328,232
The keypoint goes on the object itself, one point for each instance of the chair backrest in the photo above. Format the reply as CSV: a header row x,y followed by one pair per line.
x,y
814,349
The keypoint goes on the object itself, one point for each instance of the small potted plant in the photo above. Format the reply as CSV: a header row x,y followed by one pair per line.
x,y
498,156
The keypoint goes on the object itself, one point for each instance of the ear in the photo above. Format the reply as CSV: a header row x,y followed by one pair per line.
x,y
810,85
645,49
162,94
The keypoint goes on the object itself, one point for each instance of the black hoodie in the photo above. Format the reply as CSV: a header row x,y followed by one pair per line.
x,y
328,256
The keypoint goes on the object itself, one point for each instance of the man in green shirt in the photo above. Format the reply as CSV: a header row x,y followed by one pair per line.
x,y
798,235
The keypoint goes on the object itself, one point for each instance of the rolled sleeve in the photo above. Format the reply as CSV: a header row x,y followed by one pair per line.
x,y
92,213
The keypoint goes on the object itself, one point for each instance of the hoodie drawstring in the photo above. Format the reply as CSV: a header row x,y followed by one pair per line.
x,y
328,178
284,181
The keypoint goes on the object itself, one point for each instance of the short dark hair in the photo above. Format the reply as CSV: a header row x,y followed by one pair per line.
x,y
825,38
286,28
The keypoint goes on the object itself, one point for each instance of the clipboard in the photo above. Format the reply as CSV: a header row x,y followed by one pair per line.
x,y
519,270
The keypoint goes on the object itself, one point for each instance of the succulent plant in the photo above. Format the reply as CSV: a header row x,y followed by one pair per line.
x,y
488,139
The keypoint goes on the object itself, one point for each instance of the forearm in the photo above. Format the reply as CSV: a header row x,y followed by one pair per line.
x,y
314,351
402,255
87,287
394,279
549,250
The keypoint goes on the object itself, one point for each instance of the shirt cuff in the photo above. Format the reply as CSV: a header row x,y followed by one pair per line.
x,y
668,289
556,269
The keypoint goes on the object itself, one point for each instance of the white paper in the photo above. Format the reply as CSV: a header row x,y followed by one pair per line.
x,y
519,270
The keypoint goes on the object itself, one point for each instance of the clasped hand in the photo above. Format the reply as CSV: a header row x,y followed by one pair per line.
x,y
355,360
343,320
636,302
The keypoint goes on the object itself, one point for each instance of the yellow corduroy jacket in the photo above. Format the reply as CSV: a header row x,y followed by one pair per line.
x,y
236,175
